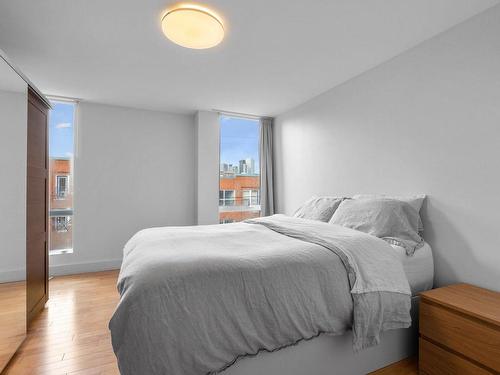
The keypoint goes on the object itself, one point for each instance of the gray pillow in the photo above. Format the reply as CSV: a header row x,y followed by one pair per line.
x,y
416,201
393,220
318,208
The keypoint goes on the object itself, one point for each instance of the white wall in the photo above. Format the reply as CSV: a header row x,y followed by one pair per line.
x,y
428,122
207,166
133,169
13,125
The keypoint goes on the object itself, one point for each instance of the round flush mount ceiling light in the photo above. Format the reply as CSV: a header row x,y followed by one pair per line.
x,y
193,26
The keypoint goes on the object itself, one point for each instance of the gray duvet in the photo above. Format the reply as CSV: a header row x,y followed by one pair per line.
x,y
195,299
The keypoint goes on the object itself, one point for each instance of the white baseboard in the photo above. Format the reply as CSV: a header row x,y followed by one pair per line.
x,y
75,268
64,269
12,275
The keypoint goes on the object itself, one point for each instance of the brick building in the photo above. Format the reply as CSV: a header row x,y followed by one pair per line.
x,y
61,204
239,197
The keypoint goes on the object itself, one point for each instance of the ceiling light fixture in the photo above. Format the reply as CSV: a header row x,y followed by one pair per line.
x,y
193,26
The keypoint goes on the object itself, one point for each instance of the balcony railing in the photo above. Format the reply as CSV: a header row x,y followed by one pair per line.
x,y
239,208
60,236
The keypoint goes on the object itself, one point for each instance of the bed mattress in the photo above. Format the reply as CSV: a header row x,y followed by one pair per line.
x,y
419,267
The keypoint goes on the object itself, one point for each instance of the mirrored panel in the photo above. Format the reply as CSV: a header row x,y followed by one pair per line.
x,y
13,127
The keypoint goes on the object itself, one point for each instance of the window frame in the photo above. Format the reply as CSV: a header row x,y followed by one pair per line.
x,y
247,208
69,179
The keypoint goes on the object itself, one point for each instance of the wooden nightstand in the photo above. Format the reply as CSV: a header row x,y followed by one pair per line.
x,y
459,331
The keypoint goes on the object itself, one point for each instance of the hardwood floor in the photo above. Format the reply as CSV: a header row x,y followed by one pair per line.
x,y
12,319
71,335
408,366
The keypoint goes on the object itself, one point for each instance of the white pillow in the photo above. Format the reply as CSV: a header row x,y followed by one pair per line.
x,y
416,201
318,208
392,220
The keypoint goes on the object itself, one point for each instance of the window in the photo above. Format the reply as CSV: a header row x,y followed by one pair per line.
x,y
239,174
61,155
61,186
226,198
251,197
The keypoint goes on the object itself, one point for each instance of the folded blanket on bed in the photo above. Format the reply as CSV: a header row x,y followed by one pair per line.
x,y
195,299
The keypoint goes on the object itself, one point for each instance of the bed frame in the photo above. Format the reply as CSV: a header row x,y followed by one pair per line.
x,y
333,355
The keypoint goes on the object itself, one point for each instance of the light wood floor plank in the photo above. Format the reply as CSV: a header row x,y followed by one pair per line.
x,y
408,366
71,335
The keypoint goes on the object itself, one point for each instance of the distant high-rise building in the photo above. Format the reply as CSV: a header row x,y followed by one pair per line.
x,y
243,169
228,168
246,166
250,165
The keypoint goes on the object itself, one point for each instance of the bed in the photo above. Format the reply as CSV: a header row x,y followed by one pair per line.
x,y
276,295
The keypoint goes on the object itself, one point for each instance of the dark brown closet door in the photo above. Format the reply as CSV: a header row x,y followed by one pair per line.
x,y
37,213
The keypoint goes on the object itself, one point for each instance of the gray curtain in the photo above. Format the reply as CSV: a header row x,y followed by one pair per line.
x,y
266,167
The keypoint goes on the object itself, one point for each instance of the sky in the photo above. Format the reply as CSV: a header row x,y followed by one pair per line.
x,y
61,128
239,139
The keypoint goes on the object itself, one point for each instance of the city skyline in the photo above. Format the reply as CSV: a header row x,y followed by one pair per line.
x,y
245,166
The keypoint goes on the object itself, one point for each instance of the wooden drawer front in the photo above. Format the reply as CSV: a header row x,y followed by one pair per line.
x,y
434,360
470,337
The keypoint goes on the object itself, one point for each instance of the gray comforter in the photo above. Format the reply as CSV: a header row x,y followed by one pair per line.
x,y
195,299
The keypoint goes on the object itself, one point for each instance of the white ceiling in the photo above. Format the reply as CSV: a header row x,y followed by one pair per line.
x,y
277,53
